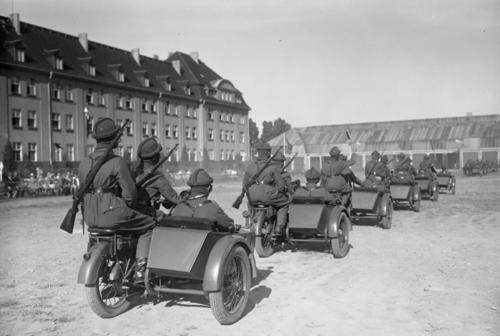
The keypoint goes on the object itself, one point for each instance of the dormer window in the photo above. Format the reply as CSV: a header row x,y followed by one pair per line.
x,y
121,76
59,63
117,71
92,70
146,82
20,56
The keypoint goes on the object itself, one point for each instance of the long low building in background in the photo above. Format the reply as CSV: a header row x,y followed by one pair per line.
x,y
52,83
449,141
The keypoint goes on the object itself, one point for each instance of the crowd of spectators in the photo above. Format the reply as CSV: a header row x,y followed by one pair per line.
x,y
40,184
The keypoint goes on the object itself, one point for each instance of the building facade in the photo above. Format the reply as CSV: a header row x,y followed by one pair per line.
x,y
53,86
449,141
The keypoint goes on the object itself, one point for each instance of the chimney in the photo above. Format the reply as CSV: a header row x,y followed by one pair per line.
x,y
136,55
16,22
156,57
194,55
84,41
177,66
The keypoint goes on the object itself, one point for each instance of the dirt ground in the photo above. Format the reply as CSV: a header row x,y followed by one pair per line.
x,y
436,272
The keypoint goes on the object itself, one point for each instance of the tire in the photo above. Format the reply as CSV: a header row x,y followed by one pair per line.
x,y
116,301
416,203
453,186
386,221
263,244
228,304
435,193
340,245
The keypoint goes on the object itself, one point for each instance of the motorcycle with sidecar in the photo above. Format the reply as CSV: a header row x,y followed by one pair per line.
x,y
187,255
429,186
374,202
447,182
405,191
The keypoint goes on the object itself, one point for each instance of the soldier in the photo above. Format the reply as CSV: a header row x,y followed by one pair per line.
x,y
371,165
311,189
287,178
108,202
427,167
269,189
404,166
157,185
198,205
383,170
336,175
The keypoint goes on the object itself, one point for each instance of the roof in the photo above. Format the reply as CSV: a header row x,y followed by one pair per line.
x,y
419,134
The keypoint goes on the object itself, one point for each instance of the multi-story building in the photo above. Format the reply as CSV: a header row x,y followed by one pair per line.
x,y
53,85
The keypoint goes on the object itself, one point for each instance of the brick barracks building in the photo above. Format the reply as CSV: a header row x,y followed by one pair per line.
x,y
52,83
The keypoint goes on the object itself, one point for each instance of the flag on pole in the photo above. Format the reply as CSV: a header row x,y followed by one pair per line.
x,y
287,146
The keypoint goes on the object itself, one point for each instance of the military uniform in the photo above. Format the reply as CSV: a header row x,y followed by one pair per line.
x,y
427,167
198,205
157,185
107,203
372,164
270,188
311,189
404,168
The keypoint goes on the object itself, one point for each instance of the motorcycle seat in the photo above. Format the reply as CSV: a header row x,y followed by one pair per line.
x,y
111,231
185,222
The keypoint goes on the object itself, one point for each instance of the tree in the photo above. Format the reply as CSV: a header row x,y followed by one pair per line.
x,y
254,132
273,129
267,131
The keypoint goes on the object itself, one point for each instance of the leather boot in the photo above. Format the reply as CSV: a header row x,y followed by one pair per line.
x,y
140,270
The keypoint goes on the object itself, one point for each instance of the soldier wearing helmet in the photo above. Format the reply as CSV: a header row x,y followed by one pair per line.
x,y
112,195
427,167
311,189
270,188
198,205
372,164
156,189
279,159
404,168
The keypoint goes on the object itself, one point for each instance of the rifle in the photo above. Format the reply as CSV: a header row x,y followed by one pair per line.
x,y
156,166
239,199
68,222
288,163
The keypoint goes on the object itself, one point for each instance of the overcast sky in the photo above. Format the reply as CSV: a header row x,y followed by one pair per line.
x,y
312,62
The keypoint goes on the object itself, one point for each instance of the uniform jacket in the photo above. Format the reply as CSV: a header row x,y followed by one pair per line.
x,y
371,167
200,207
334,175
270,188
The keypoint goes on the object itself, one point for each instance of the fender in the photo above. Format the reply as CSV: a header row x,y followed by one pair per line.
x,y
416,193
212,280
257,222
383,205
91,261
332,226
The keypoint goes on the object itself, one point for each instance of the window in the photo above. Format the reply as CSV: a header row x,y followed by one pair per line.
x,y
56,121
211,154
101,101
195,114
177,110
69,94
153,130
20,55
227,136
130,153
222,155
188,134
89,97
130,128
221,135
144,106
210,115
119,122
70,150
167,108
222,116
193,133
231,118
119,102
128,103
17,119
120,150
17,151
242,120
243,155
153,108
175,132
32,120
167,131
15,86
32,152
59,63
57,152
90,148
145,128
31,88
92,70
232,136
70,126
146,82
210,134
188,112
242,137
121,76
56,93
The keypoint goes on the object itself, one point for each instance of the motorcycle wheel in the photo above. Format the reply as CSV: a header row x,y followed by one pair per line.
x,y
264,243
228,304
386,221
107,298
435,193
416,202
340,245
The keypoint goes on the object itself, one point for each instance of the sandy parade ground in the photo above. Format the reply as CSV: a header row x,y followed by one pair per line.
x,y
436,272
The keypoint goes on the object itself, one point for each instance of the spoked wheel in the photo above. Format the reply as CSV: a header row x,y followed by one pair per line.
x,y
340,245
264,245
229,303
386,221
107,298
415,205
435,193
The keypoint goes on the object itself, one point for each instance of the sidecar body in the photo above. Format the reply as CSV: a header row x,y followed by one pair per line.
x,y
312,220
405,192
447,182
372,203
194,256
429,186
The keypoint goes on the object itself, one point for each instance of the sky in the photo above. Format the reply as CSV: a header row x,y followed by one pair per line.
x,y
312,62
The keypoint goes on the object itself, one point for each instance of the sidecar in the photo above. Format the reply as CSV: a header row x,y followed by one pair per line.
x,y
374,203
193,256
405,191
312,220
429,186
447,182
